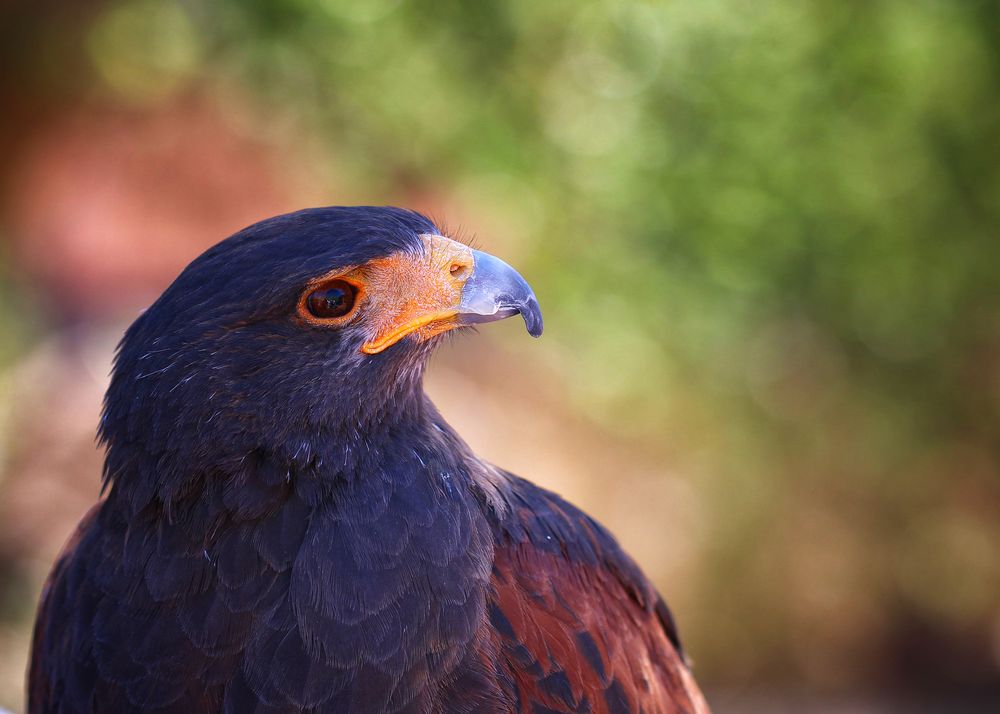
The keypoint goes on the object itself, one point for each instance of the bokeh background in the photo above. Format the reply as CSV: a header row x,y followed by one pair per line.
x,y
766,237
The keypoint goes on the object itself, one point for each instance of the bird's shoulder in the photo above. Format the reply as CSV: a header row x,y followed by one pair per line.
x,y
539,523
576,623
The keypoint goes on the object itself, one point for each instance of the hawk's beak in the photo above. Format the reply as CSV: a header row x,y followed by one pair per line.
x,y
446,286
496,291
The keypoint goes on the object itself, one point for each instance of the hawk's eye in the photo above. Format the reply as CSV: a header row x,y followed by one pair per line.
x,y
334,299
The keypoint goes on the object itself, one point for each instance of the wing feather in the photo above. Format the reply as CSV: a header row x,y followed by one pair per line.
x,y
576,625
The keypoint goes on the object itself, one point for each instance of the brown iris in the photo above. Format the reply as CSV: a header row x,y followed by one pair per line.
x,y
331,300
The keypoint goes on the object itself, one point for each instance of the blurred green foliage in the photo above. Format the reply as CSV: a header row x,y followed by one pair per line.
x,y
712,165
765,235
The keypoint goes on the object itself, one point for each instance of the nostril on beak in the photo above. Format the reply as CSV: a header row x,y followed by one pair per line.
x,y
459,270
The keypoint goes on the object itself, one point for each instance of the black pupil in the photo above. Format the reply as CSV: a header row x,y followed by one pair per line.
x,y
333,300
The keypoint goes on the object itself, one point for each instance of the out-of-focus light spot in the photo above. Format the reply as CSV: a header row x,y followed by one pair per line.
x,y
145,50
616,49
584,124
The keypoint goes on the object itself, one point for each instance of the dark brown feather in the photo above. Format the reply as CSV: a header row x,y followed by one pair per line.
x,y
38,677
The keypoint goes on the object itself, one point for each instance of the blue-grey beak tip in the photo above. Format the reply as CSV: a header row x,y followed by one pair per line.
x,y
532,314
496,291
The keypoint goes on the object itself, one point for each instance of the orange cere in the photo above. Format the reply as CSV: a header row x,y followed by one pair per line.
x,y
415,293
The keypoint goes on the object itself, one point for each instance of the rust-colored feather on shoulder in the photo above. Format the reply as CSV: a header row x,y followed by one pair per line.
x,y
576,624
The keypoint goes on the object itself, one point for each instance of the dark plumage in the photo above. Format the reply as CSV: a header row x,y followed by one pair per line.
x,y
290,526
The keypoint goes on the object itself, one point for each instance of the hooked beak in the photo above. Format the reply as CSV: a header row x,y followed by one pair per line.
x,y
447,286
496,291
